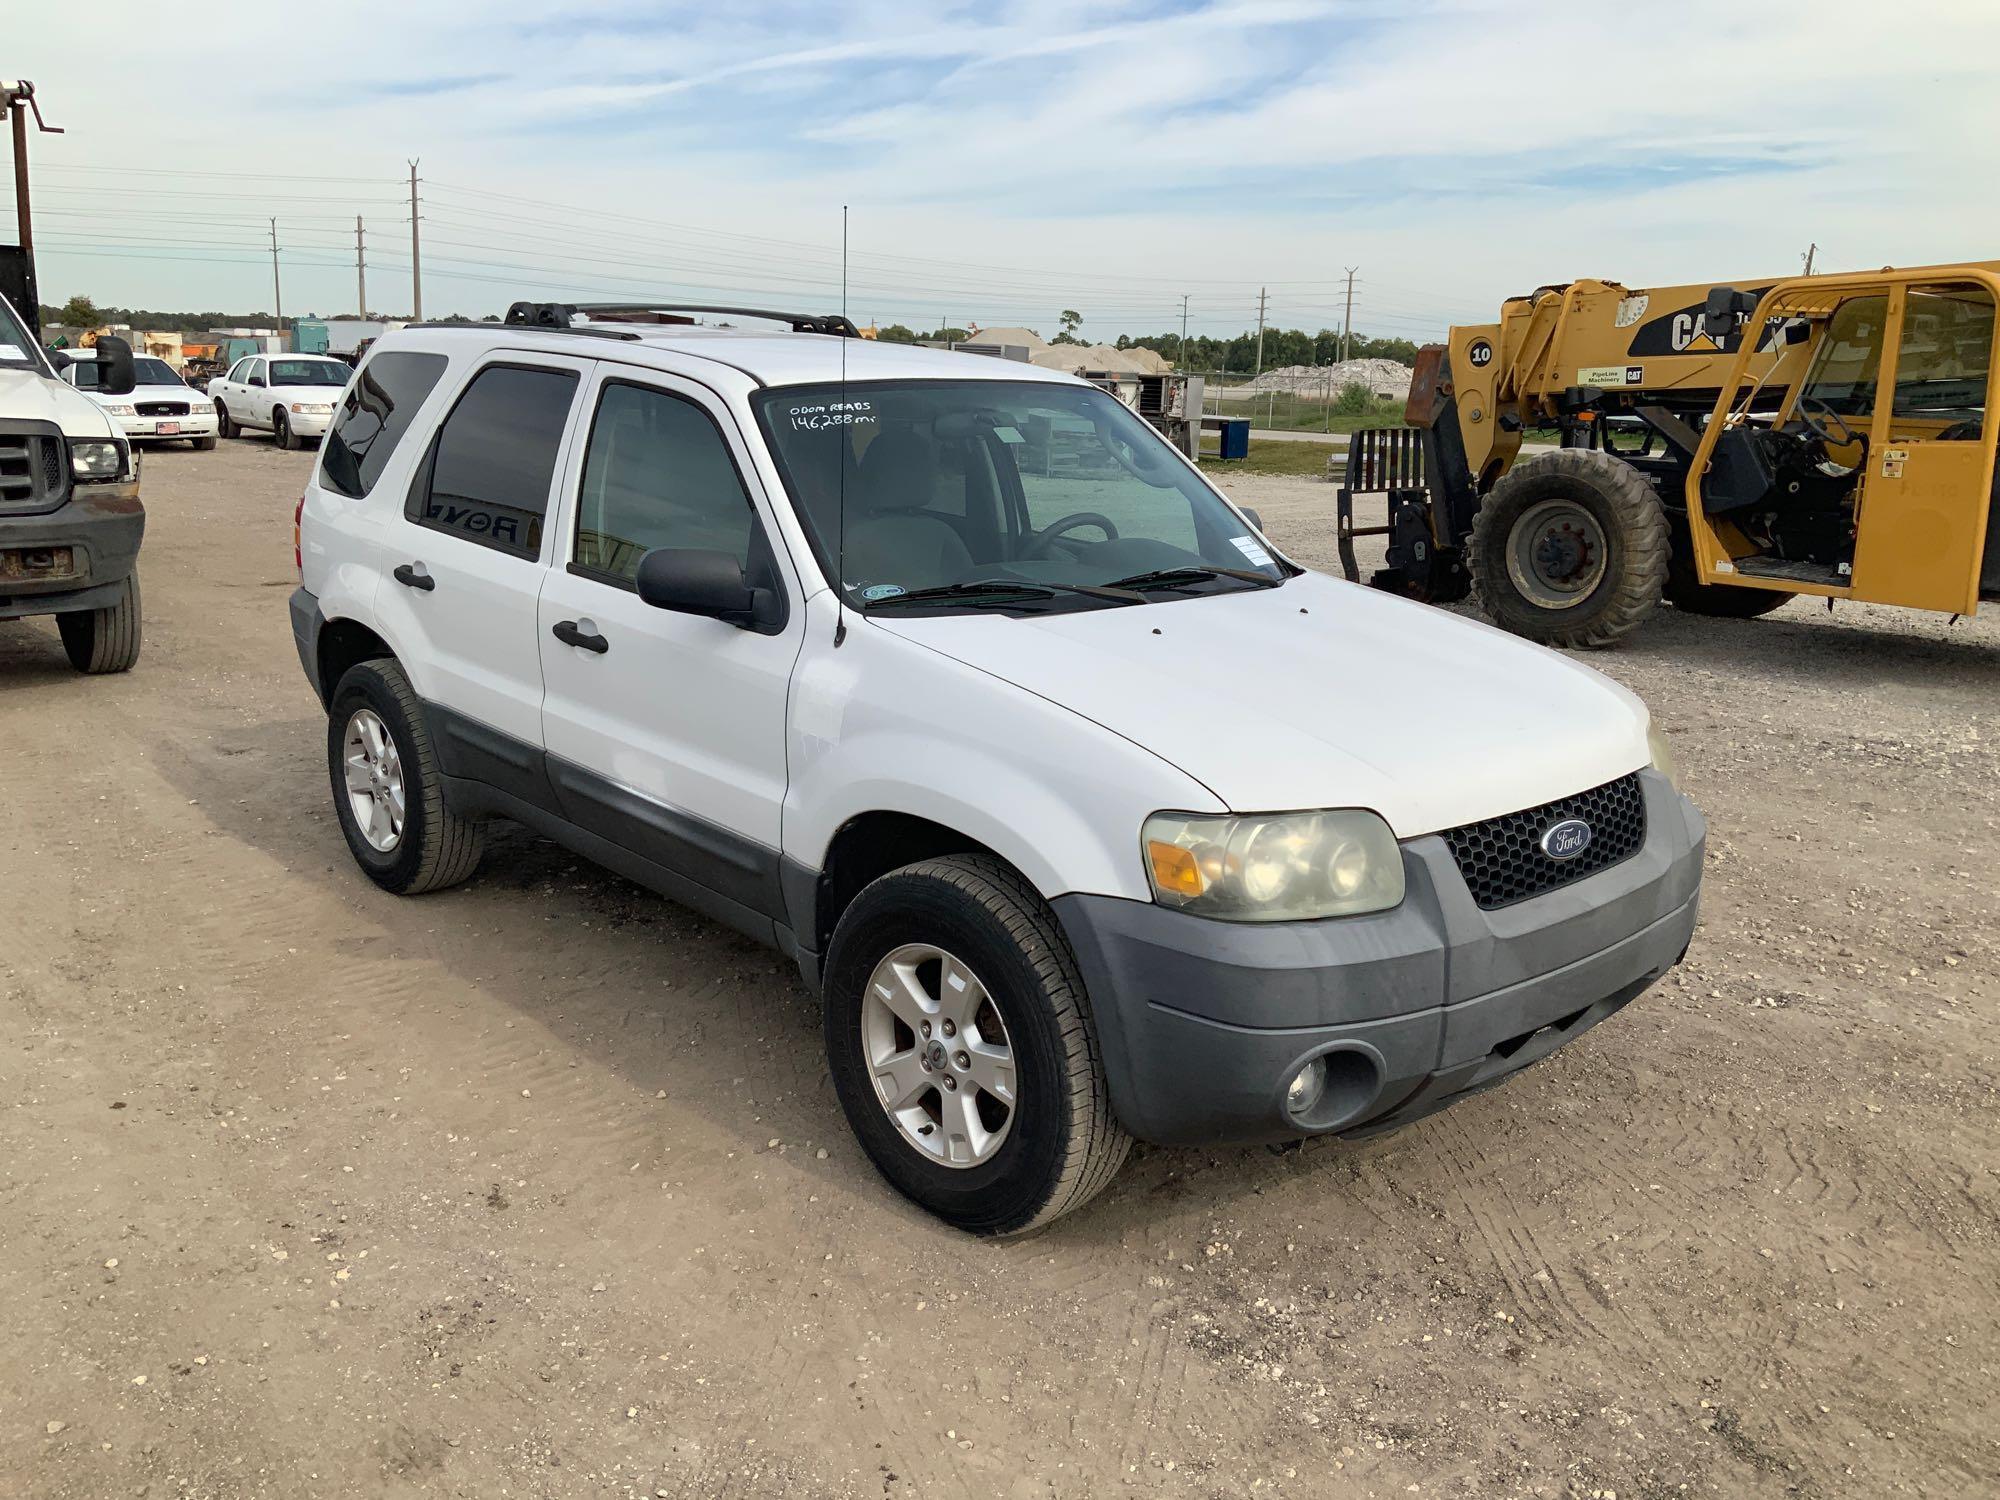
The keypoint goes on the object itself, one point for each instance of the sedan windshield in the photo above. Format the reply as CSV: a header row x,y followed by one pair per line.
x,y
952,486
309,372
150,371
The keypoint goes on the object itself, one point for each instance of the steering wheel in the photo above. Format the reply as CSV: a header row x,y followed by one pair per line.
x,y
1848,437
1038,544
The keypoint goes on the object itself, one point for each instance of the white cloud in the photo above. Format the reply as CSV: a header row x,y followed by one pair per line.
x,y
1023,156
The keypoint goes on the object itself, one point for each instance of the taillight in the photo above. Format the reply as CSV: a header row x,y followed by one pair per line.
x,y
298,538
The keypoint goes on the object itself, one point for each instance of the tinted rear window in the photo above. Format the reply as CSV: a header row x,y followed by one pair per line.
x,y
374,415
496,458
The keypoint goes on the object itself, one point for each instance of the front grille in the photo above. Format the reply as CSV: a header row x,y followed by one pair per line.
x,y
31,469
163,408
1502,859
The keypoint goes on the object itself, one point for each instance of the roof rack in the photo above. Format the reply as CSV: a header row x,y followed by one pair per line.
x,y
827,323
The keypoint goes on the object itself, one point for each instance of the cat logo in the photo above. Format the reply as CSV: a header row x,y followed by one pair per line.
x,y
1690,334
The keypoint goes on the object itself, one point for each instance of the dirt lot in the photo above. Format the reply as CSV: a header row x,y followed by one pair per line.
x,y
537,1187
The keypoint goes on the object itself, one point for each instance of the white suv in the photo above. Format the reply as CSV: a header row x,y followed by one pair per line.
x,y
1087,813
289,395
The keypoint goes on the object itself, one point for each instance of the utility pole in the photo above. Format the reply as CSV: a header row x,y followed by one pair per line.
x,y
416,253
1260,334
360,271
1811,251
1182,361
277,292
1347,326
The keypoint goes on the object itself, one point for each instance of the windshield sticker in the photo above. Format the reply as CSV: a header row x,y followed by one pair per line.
x,y
1009,434
1247,545
818,416
8,351
876,591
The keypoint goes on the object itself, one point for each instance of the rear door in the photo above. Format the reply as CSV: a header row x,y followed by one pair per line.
x,y
466,559
666,731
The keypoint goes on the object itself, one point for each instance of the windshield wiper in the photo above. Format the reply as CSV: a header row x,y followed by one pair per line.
x,y
1169,577
998,589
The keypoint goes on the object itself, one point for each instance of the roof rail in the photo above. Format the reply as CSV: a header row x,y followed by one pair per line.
x,y
828,323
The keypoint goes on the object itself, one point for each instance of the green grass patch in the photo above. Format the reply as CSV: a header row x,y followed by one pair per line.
x,y
1273,456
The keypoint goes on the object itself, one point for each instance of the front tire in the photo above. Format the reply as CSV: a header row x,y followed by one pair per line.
x,y
101,641
204,443
223,426
281,429
997,1118
1570,549
387,789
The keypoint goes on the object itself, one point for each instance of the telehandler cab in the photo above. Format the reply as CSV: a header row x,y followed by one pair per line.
x,y
1726,448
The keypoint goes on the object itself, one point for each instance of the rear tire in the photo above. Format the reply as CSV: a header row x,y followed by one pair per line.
x,y
101,641
223,426
1570,549
433,847
1058,1144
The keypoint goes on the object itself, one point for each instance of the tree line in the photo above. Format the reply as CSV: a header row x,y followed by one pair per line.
x,y
1282,346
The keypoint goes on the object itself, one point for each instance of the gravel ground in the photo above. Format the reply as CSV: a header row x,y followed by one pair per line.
x,y
537,1187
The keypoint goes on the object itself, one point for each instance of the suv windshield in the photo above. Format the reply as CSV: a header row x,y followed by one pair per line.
x,y
926,484
309,372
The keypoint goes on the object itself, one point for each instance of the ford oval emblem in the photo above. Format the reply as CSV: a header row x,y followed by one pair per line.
x,y
1567,839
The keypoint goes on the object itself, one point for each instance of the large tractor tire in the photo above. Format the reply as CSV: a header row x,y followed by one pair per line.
x,y
1570,549
1719,600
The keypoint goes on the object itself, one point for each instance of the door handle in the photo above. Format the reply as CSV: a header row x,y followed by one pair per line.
x,y
409,577
571,634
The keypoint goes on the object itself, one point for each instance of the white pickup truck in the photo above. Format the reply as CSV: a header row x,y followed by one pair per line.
x,y
1087,813
70,518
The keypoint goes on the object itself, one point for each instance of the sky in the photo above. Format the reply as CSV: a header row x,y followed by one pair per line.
x,y
1000,162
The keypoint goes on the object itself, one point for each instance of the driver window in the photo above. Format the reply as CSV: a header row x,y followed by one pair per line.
x,y
1849,361
1942,362
1066,468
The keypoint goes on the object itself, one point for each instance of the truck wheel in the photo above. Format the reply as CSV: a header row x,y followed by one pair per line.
x,y
1570,549
387,789
963,1050
1721,601
281,430
105,640
223,426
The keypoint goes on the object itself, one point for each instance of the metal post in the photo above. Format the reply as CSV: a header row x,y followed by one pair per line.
x,y
1260,335
22,213
1811,250
1181,363
277,292
416,254
360,270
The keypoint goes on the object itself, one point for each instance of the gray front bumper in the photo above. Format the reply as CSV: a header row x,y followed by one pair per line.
x,y
102,525
1204,1023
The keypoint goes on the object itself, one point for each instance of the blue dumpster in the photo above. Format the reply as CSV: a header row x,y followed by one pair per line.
x,y
1235,438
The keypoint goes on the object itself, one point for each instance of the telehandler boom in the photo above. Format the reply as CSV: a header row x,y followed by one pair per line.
x,y
1724,447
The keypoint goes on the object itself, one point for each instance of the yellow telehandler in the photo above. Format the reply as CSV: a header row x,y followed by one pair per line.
x,y
1724,447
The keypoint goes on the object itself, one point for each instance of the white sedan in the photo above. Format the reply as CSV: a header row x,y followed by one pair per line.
x,y
161,406
292,396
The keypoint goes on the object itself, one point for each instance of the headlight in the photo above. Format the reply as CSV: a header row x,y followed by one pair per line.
x,y
1663,755
94,458
122,411
316,406
1285,867
201,408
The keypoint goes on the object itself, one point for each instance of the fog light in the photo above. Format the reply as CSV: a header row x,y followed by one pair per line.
x,y
1306,1087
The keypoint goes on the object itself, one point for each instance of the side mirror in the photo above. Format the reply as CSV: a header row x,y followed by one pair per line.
x,y
114,367
59,360
1252,517
690,581
1724,315
255,380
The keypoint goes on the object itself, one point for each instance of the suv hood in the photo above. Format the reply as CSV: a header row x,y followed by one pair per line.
x,y
29,395
1320,694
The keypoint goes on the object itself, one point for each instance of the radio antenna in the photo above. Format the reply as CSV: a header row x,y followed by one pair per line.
x,y
844,442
